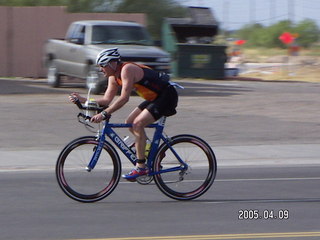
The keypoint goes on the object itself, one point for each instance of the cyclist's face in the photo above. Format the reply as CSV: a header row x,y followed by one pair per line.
x,y
108,70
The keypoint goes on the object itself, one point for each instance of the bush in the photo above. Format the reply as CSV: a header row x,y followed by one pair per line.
x,y
260,36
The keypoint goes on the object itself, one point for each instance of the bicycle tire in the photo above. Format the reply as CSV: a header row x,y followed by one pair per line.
x,y
201,172
82,185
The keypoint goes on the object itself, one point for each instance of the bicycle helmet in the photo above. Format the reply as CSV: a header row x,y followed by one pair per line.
x,y
106,55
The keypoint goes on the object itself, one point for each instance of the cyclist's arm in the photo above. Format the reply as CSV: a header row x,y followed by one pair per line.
x,y
127,86
110,92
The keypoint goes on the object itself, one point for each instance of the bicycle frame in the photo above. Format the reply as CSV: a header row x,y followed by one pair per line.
x,y
185,183
125,149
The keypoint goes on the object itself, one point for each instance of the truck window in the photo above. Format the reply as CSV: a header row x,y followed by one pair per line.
x,y
79,33
76,32
120,35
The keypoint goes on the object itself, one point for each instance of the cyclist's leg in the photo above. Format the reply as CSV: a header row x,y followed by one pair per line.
x,y
164,105
132,116
135,113
138,128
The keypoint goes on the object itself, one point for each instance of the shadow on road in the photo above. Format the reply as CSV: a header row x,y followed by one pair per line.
x,y
210,89
27,87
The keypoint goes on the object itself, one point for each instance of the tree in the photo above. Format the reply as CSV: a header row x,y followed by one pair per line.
x,y
251,33
308,32
260,36
33,2
91,5
73,5
155,10
274,32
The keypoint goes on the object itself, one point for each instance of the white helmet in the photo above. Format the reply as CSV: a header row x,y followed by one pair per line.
x,y
106,55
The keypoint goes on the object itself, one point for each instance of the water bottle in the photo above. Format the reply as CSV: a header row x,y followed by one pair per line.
x,y
129,142
90,104
148,146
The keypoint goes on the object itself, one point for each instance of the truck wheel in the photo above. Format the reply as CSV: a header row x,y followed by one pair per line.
x,y
53,77
93,81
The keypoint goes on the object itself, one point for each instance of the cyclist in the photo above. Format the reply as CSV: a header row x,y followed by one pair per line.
x,y
160,96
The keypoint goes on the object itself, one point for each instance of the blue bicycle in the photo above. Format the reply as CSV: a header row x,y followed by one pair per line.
x,y
89,168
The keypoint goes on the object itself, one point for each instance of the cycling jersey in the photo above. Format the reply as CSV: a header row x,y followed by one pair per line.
x,y
151,85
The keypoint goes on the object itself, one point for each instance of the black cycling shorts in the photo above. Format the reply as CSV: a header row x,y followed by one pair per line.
x,y
164,105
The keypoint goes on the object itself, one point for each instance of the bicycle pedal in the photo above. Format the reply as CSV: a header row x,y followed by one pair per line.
x,y
144,179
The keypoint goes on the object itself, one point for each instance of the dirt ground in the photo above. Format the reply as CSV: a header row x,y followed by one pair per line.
x,y
284,68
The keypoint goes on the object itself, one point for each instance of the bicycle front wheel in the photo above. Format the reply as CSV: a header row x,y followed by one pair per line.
x,y
182,182
80,184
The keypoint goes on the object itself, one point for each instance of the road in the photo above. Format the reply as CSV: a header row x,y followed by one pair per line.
x,y
265,135
32,207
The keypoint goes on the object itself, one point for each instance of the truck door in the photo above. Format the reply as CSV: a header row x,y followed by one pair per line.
x,y
74,52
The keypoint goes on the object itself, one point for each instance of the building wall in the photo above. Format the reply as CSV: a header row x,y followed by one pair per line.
x,y
24,31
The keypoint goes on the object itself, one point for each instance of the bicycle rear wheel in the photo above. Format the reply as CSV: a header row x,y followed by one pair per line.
x,y
192,181
80,184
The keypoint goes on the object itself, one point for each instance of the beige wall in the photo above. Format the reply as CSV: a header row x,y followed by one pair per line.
x,y
24,30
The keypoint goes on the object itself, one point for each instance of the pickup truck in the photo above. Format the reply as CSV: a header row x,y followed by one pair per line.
x,y
75,55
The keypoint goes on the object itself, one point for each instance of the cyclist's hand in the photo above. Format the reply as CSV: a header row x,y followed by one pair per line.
x,y
97,118
73,97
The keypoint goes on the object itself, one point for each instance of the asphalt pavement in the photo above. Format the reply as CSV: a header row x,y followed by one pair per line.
x,y
286,200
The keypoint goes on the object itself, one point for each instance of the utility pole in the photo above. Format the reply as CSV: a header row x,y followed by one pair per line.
x,y
291,7
272,11
225,16
252,12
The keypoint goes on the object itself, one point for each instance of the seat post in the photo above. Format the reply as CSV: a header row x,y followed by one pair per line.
x,y
162,121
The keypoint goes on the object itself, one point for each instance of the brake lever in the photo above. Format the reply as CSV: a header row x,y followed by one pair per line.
x,y
78,103
81,115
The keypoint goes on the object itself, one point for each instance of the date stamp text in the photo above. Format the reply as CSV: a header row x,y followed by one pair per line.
x,y
266,214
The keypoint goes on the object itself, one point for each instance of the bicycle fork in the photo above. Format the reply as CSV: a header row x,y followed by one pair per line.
x,y
96,154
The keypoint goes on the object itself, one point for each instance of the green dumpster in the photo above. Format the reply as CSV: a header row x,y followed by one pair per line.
x,y
188,40
200,61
